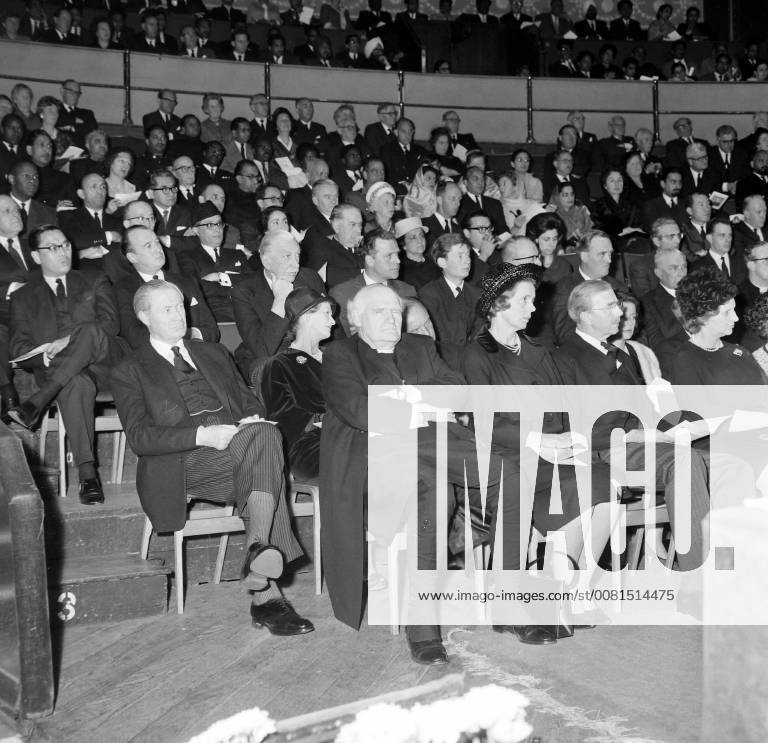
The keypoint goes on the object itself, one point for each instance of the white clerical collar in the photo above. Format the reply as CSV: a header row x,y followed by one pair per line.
x,y
671,292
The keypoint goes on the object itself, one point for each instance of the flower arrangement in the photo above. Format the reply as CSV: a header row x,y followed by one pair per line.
x,y
487,714
249,726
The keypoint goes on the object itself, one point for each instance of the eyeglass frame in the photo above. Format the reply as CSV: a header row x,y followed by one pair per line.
x,y
166,189
57,248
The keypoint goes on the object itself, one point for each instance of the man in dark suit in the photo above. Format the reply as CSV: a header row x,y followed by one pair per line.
x,y
261,125
238,145
325,196
698,177
591,27
729,162
562,172
515,18
694,228
172,219
373,19
308,49
669,203
13,131
411,14
753,287
240,48
351,56
74,316
586,357
184,171
611,151
625,28
92,230
275,52
148,40
217,269
564,66
482,14
751,229
61,31
335,256
720,256
568,141
452,122
24,180
225,12
146,256
305,129
555,24
211,171
402,158
451,300
153,159
164,116
665,235
16,265
444,219
595,254
349,177
198,432
187,140
96,146
474,201
676,148
382,131
662,330
757,181
258,300
381,265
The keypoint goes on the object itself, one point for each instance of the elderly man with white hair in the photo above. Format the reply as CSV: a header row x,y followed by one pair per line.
x,y
381,353
258,302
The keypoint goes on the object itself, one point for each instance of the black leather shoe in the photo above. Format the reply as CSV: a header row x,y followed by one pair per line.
x,y
428,652
532,634
90,492
280,618
26,414
262,562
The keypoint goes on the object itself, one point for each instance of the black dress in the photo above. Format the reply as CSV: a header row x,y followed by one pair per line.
x,y
293,397
731,364
488,362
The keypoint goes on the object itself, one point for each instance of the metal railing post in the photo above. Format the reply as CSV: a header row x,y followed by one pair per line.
x,y
656,127
268,86
127,121
400,89
529,108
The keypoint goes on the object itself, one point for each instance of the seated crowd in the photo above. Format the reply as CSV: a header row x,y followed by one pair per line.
x,y
420,264
378,39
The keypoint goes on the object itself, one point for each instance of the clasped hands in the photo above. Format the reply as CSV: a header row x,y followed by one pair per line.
x,y
219,436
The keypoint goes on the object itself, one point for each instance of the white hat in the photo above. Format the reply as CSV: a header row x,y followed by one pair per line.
x,y
372,44
378,189
409,224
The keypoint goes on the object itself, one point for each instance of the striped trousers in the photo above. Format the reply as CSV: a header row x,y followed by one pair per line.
x,y
252,461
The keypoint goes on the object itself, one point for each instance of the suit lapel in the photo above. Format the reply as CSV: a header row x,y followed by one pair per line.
x,y
213,374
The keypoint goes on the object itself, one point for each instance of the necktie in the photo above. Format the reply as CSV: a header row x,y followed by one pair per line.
x,y
674,203
180,363
242,150
97,219
612,352
165,214
216,253
155,277
727,161
61,294
698,180
448,225
16,253
703,231
458,292
724,268
479,201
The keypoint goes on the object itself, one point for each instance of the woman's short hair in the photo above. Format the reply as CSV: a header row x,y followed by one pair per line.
x,y
114,154
545,222
279,111
45,101
436,133
700,295
607,172
756,316
520,151
267,213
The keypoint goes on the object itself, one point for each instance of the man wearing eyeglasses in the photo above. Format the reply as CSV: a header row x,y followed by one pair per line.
x,y
665,235
172,219
163,116
698,177
474,200
73,315
215,267
730,162
185,172
72,118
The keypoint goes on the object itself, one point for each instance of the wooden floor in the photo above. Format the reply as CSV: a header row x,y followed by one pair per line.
x,y
164,679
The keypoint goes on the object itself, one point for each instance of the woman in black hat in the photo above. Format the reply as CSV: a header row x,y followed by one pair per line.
x,y
502,355
290,383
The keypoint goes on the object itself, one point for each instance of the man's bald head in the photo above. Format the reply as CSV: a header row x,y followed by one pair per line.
x,y
138,213
215,194
519,250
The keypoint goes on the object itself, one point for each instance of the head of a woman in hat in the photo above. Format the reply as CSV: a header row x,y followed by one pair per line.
x,y
310,314
507,300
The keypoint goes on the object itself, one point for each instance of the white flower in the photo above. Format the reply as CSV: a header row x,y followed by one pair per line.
x,y
252,725
381,723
